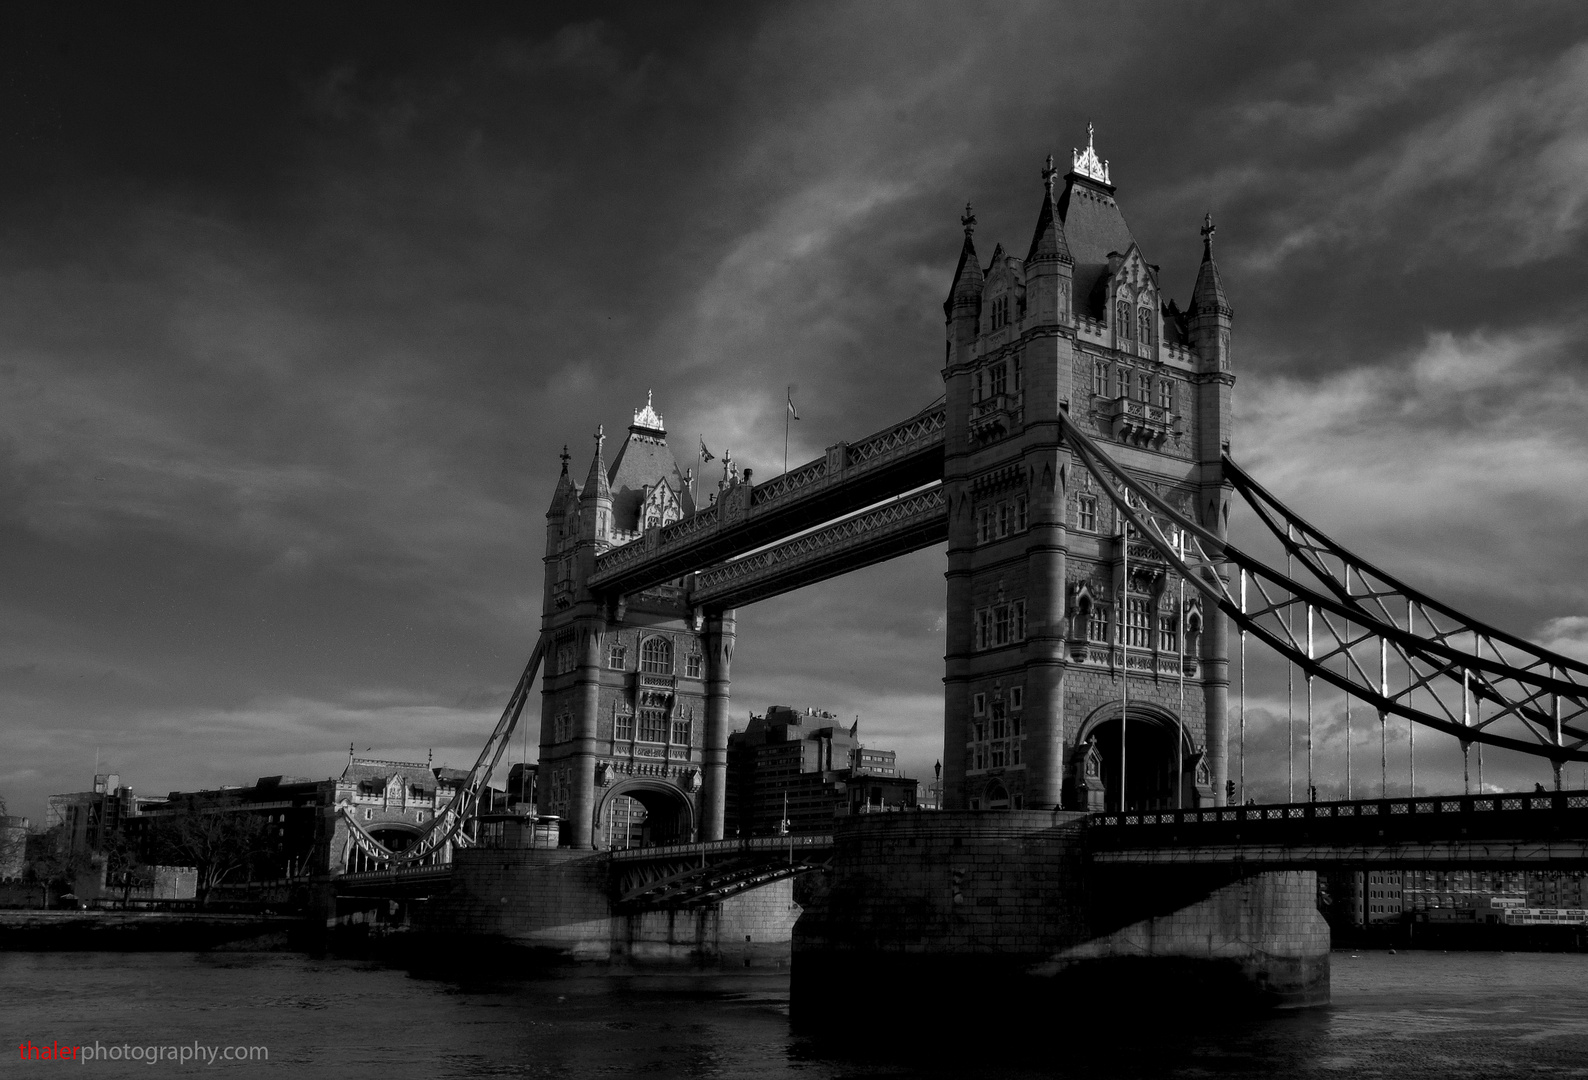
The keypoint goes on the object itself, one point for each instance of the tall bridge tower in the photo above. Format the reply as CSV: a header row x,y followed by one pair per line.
x,y
632,681
1060,626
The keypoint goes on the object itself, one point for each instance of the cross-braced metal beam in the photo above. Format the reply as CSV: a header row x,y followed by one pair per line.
x,y
1541,706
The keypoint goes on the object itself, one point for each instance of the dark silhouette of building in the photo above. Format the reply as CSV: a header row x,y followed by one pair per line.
x,y
806,768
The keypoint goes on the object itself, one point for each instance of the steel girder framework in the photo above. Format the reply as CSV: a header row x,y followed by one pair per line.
x,y
1407,672
907,524
447,827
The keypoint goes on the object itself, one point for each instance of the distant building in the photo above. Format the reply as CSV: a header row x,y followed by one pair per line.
x,y
309,820
83,821
809,768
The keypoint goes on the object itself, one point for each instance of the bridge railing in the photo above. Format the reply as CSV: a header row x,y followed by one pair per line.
x,y
1360,808
725,847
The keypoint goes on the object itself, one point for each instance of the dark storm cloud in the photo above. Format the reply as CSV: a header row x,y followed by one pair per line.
x,y
297,307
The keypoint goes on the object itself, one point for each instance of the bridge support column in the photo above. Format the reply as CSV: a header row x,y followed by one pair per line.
x,y
1216,687
587,708
1046,643
720,631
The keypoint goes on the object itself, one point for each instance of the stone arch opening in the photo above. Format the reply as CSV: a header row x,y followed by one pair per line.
x,y
1157,777
391,836
644,813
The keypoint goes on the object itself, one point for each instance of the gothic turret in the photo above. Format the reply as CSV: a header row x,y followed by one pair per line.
x,y
1209,317
1049,265
965,293
595,501
565,488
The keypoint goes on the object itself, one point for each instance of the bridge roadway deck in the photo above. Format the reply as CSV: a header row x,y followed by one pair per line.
x,y
1538,829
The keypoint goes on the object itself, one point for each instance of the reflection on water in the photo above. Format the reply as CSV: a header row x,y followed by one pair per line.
x,y
1404,1016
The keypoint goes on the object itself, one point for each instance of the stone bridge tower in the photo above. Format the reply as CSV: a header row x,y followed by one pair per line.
x,y
1051,641
625,693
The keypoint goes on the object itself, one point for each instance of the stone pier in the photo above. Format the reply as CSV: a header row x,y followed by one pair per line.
x,y
554,906
999,912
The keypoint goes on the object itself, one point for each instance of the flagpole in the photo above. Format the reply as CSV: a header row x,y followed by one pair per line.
x,y
694,496
789,401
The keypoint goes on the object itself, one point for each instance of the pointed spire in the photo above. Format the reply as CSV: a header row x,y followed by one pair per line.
x,y
565,488
968,277
595,485
1049,241
1207,297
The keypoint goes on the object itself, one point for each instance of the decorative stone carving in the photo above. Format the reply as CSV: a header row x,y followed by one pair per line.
x,y
604,774
690,780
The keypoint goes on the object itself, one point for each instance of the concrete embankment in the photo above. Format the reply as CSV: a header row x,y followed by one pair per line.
x,y
130,931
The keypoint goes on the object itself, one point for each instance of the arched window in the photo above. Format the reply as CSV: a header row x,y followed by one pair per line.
x,y
1143,387
656,656
1144,325
1122,318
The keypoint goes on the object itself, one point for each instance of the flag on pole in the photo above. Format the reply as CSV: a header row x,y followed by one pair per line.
x,y
706,455
793,412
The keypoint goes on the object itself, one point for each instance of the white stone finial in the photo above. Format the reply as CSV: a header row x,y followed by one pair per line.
x,y
648,417
1086,163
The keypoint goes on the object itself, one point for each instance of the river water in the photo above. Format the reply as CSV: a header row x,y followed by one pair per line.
x,y
1415,1014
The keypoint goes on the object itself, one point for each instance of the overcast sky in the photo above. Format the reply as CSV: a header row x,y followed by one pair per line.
x,y
297,310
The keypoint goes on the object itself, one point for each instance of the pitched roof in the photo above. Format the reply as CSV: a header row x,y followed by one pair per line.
x,y
643,460
1094,228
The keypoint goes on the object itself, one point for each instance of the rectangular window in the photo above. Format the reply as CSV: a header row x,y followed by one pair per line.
x,y
1086,513
997,755
1019,618
1165,395
617,655
985,621
1000,722
1000,379
1097,624
653,725
1021,513
681,731
980,729
981,757
693,666
1005,519
623,728
1100,380
978,705
1017,375
984,524
565,655
1014,751
1143,386
1138,624
1017,697
1166,635
1002,626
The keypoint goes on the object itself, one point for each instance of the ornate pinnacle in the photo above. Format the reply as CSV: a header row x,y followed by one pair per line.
x,y
564,455
968,220
600,436
1208,229
1048,173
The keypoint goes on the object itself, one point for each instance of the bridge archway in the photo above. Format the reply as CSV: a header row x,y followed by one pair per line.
x,y
394,837
668,814
1154,767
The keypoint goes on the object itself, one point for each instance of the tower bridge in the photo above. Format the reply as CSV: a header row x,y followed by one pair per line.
x,y
1079,467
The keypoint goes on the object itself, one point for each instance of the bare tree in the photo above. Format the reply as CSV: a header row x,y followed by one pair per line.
x,y
219,838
